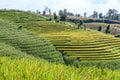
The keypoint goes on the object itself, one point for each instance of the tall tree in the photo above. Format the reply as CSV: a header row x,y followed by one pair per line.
x,y
77,15
63,17
70,14
55,16
63,14
100,15
112,14
50,12
60,12
100,28
47,11
108,29
65,11
95,14
44,12
80,24
85,14
38,12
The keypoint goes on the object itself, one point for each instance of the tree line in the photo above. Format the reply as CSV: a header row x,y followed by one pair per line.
x,y
111,14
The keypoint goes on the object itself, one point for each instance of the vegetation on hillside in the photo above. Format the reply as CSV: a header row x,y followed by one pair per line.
x,y
81,46
77,46
20,16
45,26
36,46
28,42
10,51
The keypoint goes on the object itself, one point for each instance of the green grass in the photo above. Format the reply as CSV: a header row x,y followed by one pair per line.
x,y
33,22
44,26
20,16
37,69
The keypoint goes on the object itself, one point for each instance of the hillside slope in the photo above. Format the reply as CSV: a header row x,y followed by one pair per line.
x,y
76,46
29,43
33,22
19,16
7,50
45,26
86,46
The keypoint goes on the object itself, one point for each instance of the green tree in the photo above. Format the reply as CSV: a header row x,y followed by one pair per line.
x,y
55,16
112,14
85,14
80,24
49,11
63,15
108,29
100,15
117,35
95,14
49,19
100,28
44,12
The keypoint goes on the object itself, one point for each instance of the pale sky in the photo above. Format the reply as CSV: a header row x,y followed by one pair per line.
x,y
75,6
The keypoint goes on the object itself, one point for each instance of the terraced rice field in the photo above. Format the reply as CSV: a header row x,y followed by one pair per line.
x,y
86,45
44,26
7,50
28,43
20,16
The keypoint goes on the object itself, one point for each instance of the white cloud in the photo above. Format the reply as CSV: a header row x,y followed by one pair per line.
x,y
98,1
112,1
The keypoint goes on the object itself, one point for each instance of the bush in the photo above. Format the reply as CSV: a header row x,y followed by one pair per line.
x,y
100,28
20,27
108,29
50,19
117,35
73,61
57,21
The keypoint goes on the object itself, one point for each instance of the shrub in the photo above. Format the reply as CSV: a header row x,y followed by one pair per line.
x,y
49,19
117,35
20,27
108,29
100,28
57,21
